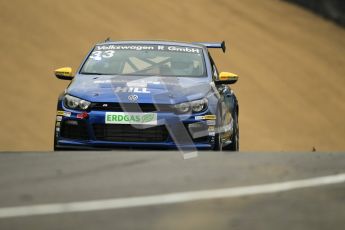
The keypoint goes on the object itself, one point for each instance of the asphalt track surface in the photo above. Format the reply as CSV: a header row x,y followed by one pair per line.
x,y
78,178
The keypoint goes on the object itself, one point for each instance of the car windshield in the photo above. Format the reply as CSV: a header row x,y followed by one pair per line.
x,y
161,60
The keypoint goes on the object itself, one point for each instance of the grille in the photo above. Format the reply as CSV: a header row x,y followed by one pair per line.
x,y
74,130
129,133
131,107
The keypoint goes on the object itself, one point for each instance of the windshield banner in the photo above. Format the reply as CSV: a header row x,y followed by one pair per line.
x,y
149,47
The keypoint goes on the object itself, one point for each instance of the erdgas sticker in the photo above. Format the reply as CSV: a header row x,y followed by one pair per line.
x,y
131,118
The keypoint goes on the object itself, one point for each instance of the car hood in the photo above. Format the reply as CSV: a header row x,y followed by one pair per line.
x,y
152,89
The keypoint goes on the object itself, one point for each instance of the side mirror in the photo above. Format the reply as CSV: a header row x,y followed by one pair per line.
x,y
226,78
64,73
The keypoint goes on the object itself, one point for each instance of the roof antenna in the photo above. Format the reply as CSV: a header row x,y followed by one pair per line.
x,y
107,40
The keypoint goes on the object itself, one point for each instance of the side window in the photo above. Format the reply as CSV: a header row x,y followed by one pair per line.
x,y
214,69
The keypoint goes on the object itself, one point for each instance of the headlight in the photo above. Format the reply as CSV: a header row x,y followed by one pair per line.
x,y
199,105
183,107
195,106
84,105
76,103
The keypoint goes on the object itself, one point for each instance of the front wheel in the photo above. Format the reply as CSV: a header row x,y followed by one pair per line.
x,y
218,142
218,145
235,138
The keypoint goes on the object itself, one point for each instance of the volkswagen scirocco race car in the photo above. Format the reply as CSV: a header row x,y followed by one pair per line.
x,y
147,94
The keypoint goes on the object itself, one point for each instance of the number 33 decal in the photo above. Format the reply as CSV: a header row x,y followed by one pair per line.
x,y
98,55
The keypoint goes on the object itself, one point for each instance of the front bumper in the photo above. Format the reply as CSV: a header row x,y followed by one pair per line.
x,y
76,131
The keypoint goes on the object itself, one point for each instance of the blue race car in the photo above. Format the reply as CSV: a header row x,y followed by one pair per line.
x,y
147,94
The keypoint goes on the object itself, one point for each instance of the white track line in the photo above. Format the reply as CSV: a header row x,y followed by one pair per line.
x,y
96,205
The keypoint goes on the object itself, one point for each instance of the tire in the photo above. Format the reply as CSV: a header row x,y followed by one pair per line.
x,y
54,145
218,143
217,138
55,148
235,139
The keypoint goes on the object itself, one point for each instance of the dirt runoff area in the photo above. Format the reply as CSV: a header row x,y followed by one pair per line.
x,y
291,63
